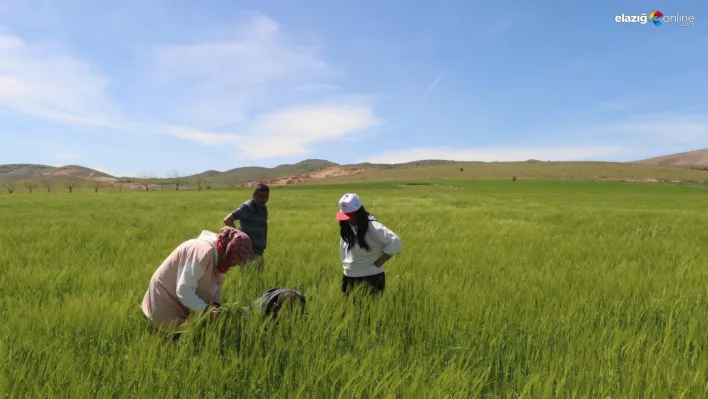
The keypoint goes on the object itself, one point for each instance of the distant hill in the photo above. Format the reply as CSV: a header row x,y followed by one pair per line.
x,y
232,177
249,174
33,172
259,173
673,168
423,162
528,170
697,159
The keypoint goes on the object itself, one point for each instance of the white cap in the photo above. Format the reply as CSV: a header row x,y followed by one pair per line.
x,y
347,204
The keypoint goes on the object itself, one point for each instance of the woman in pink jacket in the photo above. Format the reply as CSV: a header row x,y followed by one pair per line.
x,y
190,279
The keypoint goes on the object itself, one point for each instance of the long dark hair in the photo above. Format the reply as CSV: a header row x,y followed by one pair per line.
x,y
347,232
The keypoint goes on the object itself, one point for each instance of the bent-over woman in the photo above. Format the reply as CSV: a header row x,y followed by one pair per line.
x,y
189,281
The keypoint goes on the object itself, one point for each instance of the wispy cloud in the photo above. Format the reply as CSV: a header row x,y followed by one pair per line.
x,y
288,131
255,90
433,86
500,154
37,81
220,83
232,85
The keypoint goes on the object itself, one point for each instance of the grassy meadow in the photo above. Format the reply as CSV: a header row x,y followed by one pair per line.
x,y
504,290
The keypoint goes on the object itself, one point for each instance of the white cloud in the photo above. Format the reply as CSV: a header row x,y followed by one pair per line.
x,y
315,122
65,155
286,132
35,81
257,85
224,82
498,154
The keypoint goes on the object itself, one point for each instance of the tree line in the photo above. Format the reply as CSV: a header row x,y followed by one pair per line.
x,y
143,180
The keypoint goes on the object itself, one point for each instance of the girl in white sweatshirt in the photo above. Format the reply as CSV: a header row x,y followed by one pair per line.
x,y
365,245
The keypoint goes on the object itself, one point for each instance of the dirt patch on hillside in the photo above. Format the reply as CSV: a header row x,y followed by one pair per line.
x,y
64,172
644,180
333,171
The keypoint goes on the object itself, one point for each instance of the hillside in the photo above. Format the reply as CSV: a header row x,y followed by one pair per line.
x,y
683,167
249,174
33,172
258,173
291,173
529,170
696,159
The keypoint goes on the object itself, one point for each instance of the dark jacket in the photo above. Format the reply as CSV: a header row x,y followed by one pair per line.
x,y
269,303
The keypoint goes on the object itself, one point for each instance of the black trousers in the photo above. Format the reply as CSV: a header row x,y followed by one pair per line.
x,y
376,283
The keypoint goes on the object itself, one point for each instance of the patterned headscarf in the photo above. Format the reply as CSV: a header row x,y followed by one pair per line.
x,y
234,246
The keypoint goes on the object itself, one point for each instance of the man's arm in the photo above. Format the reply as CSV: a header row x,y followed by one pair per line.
x,y
229,220
233,216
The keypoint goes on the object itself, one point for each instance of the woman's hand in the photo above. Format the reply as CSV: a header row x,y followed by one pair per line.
x,y
213,309
380,261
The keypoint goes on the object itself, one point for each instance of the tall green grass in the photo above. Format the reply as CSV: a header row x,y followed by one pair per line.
x,y
503,290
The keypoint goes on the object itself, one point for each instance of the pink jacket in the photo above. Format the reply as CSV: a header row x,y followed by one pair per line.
x,y
187,281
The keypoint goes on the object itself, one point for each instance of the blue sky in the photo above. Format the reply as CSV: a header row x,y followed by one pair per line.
x,y
157,86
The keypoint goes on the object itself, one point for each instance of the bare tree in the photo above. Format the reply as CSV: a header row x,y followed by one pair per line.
x,y
200,181
71,184
48,184
177,179
10,187
145,180
97,184
31,185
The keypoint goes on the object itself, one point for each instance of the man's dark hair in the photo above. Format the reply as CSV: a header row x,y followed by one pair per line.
x,y
261,188
276,303
347,232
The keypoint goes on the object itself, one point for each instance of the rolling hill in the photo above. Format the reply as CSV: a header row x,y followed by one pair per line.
x,y
259,173
697,159
33,172
30,172
682,167
528,170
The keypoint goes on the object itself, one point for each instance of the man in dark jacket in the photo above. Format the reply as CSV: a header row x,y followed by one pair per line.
x,y
274,299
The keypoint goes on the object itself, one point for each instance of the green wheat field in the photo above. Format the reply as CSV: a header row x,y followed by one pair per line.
x,y
504,290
